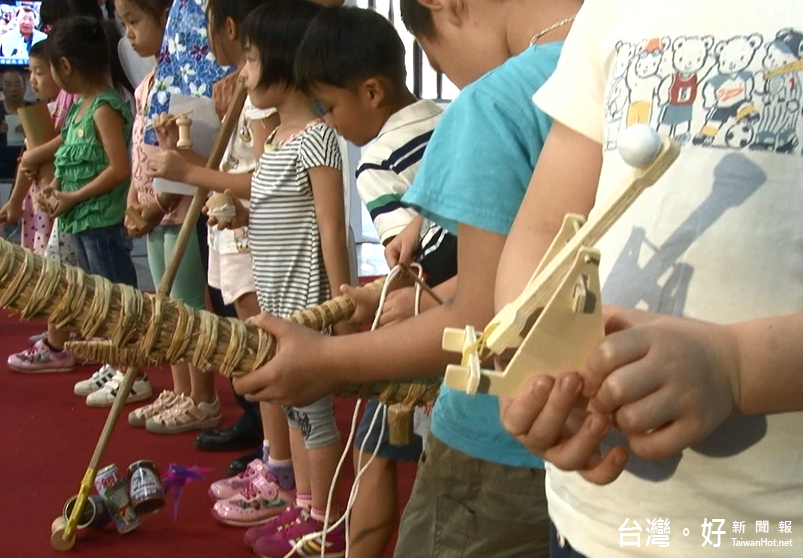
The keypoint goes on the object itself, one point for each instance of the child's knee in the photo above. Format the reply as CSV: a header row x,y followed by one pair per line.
x,y
316,423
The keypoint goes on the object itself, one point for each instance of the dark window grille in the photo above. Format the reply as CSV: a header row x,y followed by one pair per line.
x,y
426,83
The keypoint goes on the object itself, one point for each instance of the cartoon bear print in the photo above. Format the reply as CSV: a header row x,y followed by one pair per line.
x,y
781,93
677,92
643,79
618,95
728,94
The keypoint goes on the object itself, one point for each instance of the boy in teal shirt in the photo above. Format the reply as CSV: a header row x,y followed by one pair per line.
x,y
478,490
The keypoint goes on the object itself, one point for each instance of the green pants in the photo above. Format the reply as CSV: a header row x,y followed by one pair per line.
x,y
468,508
190,284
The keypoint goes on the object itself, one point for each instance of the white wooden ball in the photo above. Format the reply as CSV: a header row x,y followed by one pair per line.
x,y
639,145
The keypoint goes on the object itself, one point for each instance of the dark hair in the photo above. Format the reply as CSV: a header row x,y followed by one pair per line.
x,y
417,18
154,8
218,11
54,11
347,45
38,50
276,30
91,47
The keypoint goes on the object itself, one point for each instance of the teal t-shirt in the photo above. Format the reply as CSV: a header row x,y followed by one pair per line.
x,y
475,171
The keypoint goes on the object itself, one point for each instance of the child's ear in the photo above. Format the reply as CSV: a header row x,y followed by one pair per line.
x,y
232,29
453,9
64,67
373,92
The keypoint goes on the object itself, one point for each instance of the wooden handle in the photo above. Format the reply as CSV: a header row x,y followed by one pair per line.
x,y
199,199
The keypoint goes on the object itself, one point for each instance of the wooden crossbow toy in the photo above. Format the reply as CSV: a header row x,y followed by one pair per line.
x,y
563,299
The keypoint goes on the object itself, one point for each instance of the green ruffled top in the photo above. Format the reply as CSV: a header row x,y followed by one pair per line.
x,y
81,158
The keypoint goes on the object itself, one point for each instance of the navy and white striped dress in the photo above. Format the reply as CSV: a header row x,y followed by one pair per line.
x,y
283,230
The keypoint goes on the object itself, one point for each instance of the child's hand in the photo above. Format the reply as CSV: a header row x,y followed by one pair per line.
x,y
11,212
366,302
668,381
346,328
548,417
168,164
298,374
58,202
399,306
240,218
404,246
166,129
30,165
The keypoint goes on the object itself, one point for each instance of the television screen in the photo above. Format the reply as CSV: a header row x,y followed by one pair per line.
x,y
20,29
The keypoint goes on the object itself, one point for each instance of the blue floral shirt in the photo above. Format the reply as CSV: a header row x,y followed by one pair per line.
x,y
186,65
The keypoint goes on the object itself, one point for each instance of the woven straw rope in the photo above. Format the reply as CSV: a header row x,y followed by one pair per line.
x,y
144,329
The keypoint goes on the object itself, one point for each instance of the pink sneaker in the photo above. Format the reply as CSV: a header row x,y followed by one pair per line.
x,y
227,488
40,359
255,504
273,526
303,539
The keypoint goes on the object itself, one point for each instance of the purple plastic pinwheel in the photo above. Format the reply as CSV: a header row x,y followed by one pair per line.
x,y
177,477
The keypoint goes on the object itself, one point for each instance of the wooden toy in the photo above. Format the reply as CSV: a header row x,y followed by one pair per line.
x,y
556,322
63,538
221,206
39,129
184,139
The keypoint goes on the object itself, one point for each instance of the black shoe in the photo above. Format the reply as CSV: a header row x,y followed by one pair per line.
x,y
238,465
234,438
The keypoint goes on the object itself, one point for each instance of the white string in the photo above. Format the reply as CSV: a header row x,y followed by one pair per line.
x,y
381,408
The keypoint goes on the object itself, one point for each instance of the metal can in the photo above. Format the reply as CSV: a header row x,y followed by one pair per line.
x,y
95,513
114,492
145,487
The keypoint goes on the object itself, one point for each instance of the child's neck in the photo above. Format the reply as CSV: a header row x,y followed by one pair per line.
x,y
526,21
296,110
403,101
92,90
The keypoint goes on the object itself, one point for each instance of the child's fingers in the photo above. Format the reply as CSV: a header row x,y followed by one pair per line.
x,y
518,414
575,452
664,442
605,470
614,351
627,384
647,413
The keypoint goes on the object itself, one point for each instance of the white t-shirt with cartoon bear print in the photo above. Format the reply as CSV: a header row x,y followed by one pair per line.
x,y
719,238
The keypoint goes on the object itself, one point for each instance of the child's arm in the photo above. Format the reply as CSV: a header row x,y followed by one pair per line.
x,y
189,167
327,194
11,212
35,157
109,124
402,248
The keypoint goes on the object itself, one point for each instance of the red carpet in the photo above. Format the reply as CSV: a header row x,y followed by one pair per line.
x,y
49,436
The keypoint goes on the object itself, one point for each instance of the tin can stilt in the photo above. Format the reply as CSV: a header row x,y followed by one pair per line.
x,y
115,494
95,513
145,487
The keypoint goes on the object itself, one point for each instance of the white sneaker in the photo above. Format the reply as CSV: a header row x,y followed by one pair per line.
x,y
95,382
104,397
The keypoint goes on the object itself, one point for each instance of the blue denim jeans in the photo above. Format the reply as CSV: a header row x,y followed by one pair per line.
x,y
559,547
106,251
410,453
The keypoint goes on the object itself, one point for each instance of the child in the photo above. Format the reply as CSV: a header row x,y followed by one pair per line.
x,y
192,403
47,353
36,224
92,164
478,490
353,62
297,238
229,257
704,393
